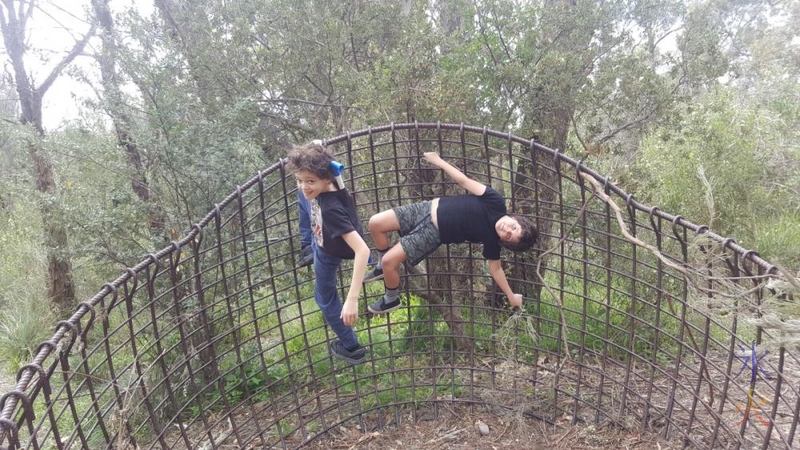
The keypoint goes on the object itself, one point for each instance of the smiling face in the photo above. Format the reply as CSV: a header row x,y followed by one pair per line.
x,y
311,185
508,229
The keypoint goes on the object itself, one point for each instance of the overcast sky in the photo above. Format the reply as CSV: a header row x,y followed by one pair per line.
x,y
53,30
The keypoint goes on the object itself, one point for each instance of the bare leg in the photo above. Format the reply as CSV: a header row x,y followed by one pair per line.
x,y
380,225
389,263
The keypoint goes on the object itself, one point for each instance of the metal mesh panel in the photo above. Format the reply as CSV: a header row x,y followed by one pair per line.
x,y
215,341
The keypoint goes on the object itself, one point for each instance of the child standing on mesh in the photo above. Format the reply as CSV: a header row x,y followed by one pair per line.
x,y
478,217
336,234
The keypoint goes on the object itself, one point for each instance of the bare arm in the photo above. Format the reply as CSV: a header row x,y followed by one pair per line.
x,y
471,186
499,277
350,308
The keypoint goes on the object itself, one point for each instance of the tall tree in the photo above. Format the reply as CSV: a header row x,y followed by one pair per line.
x,y
116,108
8,110
14,20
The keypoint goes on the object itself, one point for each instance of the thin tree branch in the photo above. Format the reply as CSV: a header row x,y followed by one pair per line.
x,y
500,35
76,50
483,33
297,100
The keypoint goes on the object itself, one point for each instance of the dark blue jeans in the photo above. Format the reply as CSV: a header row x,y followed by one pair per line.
x,y
325,292
327,296
304,219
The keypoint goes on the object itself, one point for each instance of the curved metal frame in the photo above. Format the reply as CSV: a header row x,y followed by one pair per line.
x,y
216,338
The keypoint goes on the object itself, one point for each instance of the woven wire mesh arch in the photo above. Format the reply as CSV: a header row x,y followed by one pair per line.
x,y
215,340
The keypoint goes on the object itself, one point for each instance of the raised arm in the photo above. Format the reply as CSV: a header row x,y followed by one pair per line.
x,y
471,186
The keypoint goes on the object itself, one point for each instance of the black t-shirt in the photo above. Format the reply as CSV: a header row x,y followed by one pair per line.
x,y
333,214
470,218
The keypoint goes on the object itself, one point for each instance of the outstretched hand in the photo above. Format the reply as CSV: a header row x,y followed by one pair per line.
x,y
431,157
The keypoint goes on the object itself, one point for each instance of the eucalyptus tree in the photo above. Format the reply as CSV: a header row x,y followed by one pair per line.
x,y
8,113
15,16
118,108
187,143
223,86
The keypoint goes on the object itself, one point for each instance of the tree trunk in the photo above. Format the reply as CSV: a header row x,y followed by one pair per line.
x,y
122,122
547,179
61,288
450,308
553,120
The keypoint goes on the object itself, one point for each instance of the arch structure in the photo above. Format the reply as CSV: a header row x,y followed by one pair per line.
x,y
633,317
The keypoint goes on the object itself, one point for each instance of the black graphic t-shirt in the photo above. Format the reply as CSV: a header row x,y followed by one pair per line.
x,y
471,218
333,214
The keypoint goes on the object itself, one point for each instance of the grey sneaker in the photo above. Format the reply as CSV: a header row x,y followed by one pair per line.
x,y
357,356
374,275
382,306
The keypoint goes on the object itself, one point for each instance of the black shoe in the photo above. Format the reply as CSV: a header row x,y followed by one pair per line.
x,y
383,307
374,275
306,256
357,356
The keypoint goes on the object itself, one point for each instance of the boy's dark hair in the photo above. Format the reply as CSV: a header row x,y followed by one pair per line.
x,y
312,157
527,238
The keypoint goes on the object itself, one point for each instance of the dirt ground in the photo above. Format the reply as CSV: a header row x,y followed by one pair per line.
x,y
513,420
459,429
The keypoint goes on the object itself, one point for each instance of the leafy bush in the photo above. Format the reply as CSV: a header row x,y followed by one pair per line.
x,y
727,166
778,239
23,326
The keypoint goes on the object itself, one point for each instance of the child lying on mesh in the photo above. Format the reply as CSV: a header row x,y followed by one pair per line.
x,y
480,216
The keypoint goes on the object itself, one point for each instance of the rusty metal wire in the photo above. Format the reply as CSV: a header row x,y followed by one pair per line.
x,y
215,341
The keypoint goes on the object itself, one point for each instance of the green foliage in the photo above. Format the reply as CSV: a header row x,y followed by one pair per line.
x,y
717,169
422,332
719,140
778,238
22,260
24,324
602,323
26,318
105,220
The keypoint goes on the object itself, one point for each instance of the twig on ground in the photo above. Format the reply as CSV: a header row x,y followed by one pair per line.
x,y
364,439
497,439
561,438
452,434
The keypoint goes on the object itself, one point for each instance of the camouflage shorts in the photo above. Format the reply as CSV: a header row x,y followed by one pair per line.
x,y
419,236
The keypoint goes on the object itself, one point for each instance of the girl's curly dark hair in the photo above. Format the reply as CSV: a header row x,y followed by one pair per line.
x,y
312,157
